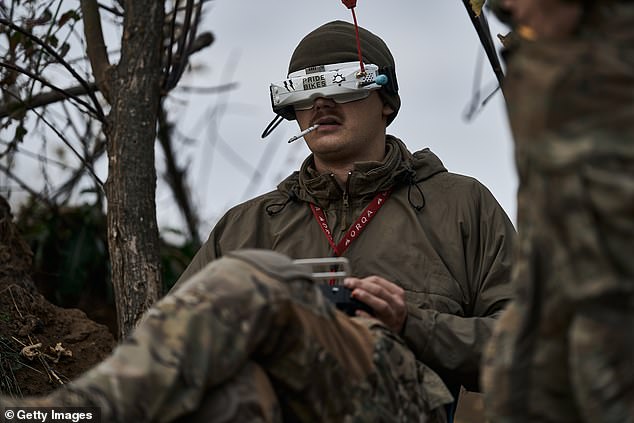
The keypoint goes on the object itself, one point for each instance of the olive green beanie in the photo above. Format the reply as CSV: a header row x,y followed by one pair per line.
x,y
335,42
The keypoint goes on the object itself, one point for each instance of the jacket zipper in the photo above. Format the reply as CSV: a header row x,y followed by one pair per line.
x,y
346,205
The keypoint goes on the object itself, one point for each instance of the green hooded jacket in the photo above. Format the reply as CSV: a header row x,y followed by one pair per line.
x,y
441,236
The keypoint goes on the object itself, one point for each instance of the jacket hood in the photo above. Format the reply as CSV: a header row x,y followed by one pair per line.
x,y
399,167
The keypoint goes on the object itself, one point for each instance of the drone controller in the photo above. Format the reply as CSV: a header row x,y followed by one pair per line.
x,y
329,274
341,297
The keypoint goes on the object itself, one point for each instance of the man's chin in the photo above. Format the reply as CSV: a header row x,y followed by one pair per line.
x,y
326,137
327,146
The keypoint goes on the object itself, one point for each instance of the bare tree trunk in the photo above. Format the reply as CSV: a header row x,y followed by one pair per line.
x,y
131,131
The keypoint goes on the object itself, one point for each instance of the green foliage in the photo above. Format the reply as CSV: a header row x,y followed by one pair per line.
x,y
70,249
175,258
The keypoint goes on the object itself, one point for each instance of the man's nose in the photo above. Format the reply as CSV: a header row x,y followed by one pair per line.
x,y
321,102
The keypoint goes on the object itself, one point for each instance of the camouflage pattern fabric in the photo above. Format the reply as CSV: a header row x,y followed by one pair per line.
x,y
255,317
564,350
249,396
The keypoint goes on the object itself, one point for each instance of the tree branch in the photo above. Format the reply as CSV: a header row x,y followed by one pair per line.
x,y
61,61
187,43
206,90
44,82
111,10
40,157
202,41
44,99
95,45
484,34
26,187
68,144
72,181
175,177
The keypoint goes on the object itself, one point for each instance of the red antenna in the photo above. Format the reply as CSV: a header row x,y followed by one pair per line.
x,y
351,4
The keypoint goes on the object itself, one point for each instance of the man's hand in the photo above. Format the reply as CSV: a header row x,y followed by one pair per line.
x,y
386,299
536,19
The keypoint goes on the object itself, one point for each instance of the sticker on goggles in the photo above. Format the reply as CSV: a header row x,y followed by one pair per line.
x,y
342,82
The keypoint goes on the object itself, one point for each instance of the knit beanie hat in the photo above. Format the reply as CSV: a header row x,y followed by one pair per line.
x,y
335,42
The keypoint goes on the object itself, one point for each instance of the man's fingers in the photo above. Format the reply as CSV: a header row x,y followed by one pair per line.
x,y
386,299
378,303
380,294
375,285
362,313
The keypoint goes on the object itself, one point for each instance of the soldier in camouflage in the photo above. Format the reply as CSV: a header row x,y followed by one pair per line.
x,y
564,350
255,310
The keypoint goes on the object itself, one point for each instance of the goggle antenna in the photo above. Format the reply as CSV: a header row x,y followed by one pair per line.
x,y
351,4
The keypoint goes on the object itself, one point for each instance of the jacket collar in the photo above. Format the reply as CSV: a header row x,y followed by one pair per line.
x,y
399,167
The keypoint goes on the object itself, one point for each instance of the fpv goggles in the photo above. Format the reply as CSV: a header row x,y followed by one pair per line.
x,y
342,82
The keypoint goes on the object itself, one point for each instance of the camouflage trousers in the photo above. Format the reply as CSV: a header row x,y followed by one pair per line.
x,y
251,338
564,350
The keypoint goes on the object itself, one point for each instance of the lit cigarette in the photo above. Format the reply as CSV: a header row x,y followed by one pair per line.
x,y
304,132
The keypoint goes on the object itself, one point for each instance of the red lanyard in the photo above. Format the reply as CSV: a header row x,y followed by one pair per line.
x,y
356,228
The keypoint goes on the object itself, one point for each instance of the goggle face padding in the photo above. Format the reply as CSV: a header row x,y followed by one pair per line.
x,y
341,82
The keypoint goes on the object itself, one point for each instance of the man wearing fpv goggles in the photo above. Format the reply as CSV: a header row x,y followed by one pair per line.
x,y
430,251
341,82
251,337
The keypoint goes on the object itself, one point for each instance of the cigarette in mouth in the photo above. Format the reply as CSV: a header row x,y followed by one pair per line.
x,y
304,132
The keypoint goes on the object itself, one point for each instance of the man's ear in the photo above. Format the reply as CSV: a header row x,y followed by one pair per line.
x,y
387,110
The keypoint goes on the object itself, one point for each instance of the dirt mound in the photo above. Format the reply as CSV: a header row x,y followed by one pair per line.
x,y
41,345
